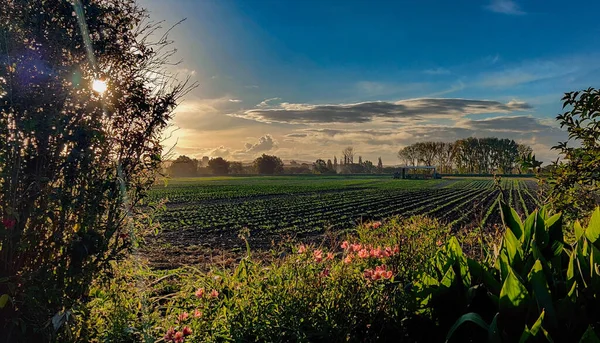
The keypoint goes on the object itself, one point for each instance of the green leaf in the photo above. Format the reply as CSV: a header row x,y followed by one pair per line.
x,y
3,300
513,293
579,231
571,266
528,230
541,291
535,329
593,230
513,249
554,225
494,332
589,336
460,261
483,275
469,317
511,220
541,234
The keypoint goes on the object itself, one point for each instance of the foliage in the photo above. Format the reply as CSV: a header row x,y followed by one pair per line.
x,y
576,179
183,166
354,290
536,287
218,166
73,163
268,164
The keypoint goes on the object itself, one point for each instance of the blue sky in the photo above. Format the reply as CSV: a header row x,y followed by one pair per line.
x,y
304,79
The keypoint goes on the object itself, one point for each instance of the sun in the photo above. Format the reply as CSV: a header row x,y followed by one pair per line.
x,y
99,86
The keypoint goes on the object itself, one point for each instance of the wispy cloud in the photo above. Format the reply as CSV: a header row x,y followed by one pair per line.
x,y
265,143
505,7
235,100
267,102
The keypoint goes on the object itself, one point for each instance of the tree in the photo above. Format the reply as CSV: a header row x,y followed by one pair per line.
x,y
329,165
368,167
183,166
74,160
268,164
379,165
348,154
218,166
335,163
360,161
236,168
408,155
576,180
320,167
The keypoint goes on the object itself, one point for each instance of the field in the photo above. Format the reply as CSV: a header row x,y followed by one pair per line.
x,y
210,212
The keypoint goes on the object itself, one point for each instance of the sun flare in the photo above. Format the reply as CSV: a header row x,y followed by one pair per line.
x,y
99,86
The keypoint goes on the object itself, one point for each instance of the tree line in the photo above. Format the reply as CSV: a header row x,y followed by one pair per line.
x,y
472,155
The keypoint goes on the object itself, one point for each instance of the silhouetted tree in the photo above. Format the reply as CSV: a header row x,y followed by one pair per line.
x,y
218,166
236,168
379,165
183,166
268,164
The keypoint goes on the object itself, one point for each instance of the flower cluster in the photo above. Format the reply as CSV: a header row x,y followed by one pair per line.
x,y
200,293
367,251
175,336
317,254
379,273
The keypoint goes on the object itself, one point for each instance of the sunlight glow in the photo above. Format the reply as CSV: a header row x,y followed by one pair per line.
x,y
99,86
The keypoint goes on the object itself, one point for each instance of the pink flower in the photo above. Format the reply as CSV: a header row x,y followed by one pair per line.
x,y
376,253
183,316
355,247
380,272
318,255
348,259
388,274
199,292
301,249
388,252
439,243
368,273
178,338
325,272
329,256
345,245
187,331
8,223
197,313
376,225
214,293
363,253
170,333
396,249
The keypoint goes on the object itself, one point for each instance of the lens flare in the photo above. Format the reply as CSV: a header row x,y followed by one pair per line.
x,y
99,86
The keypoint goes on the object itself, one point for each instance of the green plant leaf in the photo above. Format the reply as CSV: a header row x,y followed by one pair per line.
x,y
513,249
541,233
541,292
589,336
3,300
528,230
579,231
493,331
513,293
554,225
469,317
592,232
535,329
511,219
483,275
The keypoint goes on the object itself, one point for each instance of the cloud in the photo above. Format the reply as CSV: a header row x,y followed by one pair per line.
x,y
505,7
266,102
235,100
369,111
508,124
437,71
265,143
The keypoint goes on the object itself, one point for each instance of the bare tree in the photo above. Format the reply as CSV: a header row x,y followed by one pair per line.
x,y
348,154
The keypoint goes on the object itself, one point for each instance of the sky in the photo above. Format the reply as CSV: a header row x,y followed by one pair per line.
x,y
303,79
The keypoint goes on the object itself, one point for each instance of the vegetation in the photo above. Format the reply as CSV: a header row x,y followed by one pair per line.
x,y
469,155
74,163
576,179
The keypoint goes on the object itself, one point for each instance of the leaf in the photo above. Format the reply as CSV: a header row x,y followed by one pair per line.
x,y
494,332
579,231
589,336
468,317
511,220
513,249
554,225
460,261
3,300
593,230
535,329
541,234
541,291
528,230
483,275
513,294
